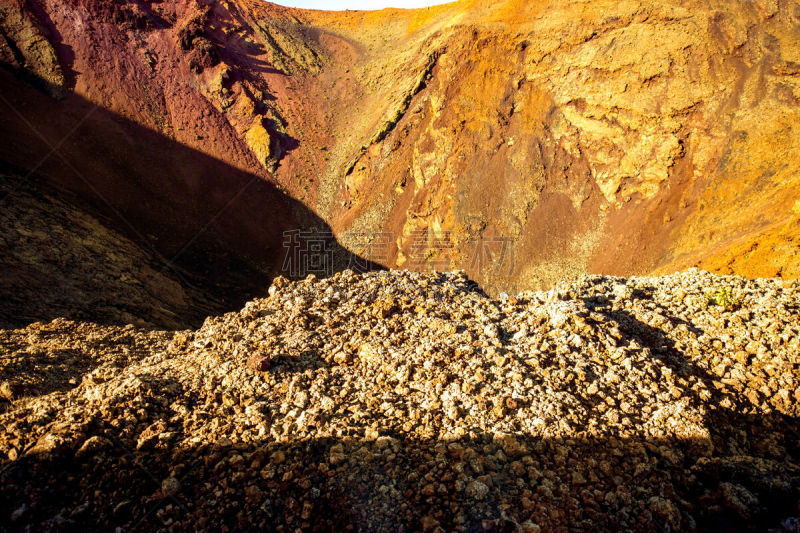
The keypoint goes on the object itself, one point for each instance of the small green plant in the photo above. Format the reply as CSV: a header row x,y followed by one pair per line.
x,y
724,298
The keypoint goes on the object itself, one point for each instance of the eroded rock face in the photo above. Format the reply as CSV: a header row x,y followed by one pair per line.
x,y
599,136
522,141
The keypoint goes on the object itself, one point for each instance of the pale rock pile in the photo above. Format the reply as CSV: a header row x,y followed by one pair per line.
x,y
406,401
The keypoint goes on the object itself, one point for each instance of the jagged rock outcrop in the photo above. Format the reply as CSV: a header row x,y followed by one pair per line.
x,y
26,46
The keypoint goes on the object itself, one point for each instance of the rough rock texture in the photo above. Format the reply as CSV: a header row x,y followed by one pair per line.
x,y
155,153
26,45
58,261
399,400
599,136
589,136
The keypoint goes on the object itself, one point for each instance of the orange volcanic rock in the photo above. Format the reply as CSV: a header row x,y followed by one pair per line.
x,y
523,141
25,46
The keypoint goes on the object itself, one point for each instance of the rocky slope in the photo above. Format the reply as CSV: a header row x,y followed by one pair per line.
x,y
398,400
584,136
133,132
60,260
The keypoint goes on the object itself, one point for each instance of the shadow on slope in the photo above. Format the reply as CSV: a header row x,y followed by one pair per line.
x,y
483,482
751,476
744,477
217,231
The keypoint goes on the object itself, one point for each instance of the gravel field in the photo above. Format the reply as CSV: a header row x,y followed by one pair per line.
x,y
399,401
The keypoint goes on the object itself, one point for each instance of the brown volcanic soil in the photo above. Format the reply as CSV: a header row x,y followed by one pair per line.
x,y
593,136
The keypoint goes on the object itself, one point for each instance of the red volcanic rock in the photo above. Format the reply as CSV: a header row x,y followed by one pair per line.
x,y
203,55
258,362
